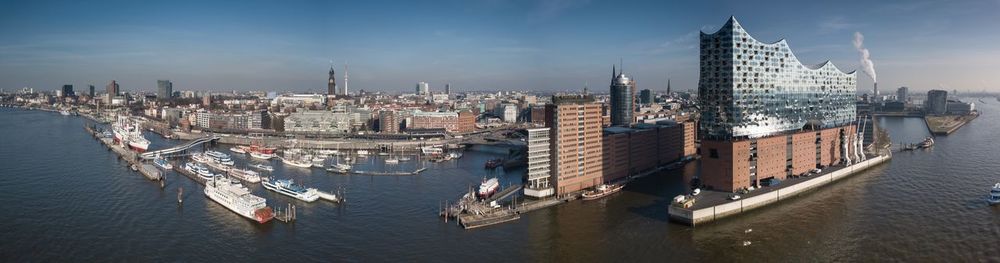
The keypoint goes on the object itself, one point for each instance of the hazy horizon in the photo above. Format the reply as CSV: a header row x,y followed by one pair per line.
x,y
474,45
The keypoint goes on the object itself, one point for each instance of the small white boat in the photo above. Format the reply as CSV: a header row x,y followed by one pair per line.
x,y
994,197
238,149
264,167
362,152
289,188
262,156
163,163
392,161
249,176
339,168
296,163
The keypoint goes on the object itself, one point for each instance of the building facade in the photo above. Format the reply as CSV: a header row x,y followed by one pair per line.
x,y
622,99
388,122
164,89
766,115
331,85
538,164
67,91
325,122
453,122
423,88
902,94
937,102
646,96
575,123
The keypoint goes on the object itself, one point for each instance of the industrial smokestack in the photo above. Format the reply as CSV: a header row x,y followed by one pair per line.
x,y
866,61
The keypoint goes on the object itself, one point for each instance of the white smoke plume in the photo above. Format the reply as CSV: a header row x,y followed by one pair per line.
x,y
866,61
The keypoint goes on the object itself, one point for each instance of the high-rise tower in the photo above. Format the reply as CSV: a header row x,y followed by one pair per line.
x,y
345,80
622,99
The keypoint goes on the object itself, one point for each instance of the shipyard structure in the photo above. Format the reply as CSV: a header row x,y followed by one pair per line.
x,y
765,116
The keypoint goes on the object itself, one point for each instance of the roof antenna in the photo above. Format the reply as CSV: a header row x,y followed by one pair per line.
x,y
621,65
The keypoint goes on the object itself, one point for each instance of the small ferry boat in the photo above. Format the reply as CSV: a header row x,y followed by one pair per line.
x,y
431,150
488,187
602,191
238,199
289,188
64,112
245,174
220,157
392,161
363,152
200,157
296,163
994,195
927,143
263,167
162,163
200,170
238,149
339,168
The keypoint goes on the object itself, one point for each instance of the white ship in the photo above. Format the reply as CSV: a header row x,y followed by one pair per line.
x,y
262,156
488,187
289,188
127,132
249,176
238,149
200,170
163,163
994,195
220,157
238,199
264,167
339,168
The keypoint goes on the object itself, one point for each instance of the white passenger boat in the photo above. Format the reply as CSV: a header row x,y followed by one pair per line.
x,y
994,197
238,199
289,188
200,170
296,162
220,157
264,167
339,168
162,163
200,157
262,156
238,149
249,176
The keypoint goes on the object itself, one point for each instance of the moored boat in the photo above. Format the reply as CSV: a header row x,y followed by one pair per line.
x,y
220,157
249,176
602,191
264,167
262,156
199,170
339,168
238,149
994,197
927,143
238,199
289,188
488,187
162,163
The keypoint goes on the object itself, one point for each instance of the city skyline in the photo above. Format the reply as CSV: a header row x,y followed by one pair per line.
x,y
487,45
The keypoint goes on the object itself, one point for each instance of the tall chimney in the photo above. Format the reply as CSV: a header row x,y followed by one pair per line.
x,y
876,92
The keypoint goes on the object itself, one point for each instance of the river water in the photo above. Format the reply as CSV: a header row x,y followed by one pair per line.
x,y
65,197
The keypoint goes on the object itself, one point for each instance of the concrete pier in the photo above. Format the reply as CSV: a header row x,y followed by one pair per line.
x,y
710,206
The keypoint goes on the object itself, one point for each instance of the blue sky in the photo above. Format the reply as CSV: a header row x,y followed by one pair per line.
x,y
473,44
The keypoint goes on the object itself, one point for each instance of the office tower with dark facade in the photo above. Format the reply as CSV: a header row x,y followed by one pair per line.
x,y
765,115
937,102
622,99
164,89
67,90
902,94
92,91
575,143
646,97
113,89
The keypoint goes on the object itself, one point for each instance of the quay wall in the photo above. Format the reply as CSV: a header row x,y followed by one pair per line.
x,y
730,208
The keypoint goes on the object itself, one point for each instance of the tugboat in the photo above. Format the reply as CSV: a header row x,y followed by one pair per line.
x,y
927,143
602,191
494,163
994,198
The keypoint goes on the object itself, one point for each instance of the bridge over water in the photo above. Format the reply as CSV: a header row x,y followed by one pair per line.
x,y
180,149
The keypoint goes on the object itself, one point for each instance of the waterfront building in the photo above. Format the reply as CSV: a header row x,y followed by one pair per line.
x,y
937,102
575,123
326,122
164,89
388,122
622,99
423,88
645,146
451,121
902,94
646,97
960,108
539,173
765,115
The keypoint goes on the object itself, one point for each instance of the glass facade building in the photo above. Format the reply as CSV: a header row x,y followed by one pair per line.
x,y
751,89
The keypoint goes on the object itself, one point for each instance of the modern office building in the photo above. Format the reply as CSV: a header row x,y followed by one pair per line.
x,y
164,89
622,99
447,88
575,149
507,112
646,97
902,94
93,92
960,108
67,90
388,122
113,90
765,115
937,102
423,88
539,184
